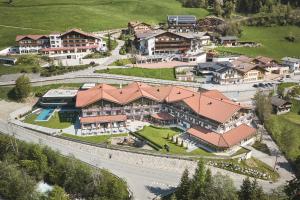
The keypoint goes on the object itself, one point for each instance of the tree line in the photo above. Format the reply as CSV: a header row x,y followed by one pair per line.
x,y
226,8
23,165
205,186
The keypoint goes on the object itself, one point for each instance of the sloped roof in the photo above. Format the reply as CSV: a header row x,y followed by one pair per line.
x,y
136,23
154,33
276,101
264,60
182,18
290,59
211,104
225,140
164,116
80,32
33,37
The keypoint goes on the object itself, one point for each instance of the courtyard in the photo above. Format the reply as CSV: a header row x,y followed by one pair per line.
x,y
161,137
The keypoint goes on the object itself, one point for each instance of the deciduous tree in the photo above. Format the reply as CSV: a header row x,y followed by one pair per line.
x,y
23,87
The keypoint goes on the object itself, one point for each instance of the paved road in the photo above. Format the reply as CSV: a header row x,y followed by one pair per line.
x,y
147,176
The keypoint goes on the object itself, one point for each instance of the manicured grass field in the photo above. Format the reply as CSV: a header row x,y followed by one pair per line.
x,y
54,122
159,136
273,41
94,139
90,15
164,73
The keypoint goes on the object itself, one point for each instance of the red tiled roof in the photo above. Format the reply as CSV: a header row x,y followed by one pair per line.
x,y
104,118
264,60
211,104
33,37
162,116
225,140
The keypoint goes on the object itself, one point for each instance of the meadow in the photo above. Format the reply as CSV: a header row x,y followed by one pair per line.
x,y
46,16
273,42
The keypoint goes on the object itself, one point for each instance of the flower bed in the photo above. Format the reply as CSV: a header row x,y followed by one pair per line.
x,y
238,168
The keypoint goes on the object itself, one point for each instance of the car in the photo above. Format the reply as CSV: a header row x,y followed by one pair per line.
x,y
255,85
261,85
270,84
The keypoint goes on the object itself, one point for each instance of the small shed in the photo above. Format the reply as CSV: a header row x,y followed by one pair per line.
x,y
228,40
280,106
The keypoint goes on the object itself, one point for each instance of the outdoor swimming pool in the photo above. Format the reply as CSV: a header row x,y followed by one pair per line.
x,y
45,115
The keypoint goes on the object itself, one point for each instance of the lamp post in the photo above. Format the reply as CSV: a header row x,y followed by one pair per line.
x,y
276,159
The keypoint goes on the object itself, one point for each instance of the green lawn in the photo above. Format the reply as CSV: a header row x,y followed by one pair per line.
x,y
25,64
54,122
94,139
272,39
261,147
90,15
240,151
164,73
285,129
38,91
159,137
121,62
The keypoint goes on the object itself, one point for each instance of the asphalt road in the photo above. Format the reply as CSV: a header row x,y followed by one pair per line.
x,y
146,180
145,183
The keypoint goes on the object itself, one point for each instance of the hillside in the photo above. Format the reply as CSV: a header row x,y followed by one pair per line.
x,y
90,15
273,41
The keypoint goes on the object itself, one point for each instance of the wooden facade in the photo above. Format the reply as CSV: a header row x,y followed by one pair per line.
x,y
172,43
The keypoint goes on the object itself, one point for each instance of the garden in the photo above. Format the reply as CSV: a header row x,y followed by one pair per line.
x,y
161,140
251,167
59,120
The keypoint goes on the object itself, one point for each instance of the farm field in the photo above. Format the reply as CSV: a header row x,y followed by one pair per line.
x,y
46,16
273,41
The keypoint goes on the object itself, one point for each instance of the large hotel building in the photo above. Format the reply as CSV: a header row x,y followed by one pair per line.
x,y
209,116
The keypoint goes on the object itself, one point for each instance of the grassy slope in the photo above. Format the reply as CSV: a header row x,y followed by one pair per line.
x,y
164,73
90,15
6,91
94,139
285,125
272,39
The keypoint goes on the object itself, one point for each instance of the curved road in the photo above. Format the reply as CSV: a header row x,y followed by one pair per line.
x,y
147,176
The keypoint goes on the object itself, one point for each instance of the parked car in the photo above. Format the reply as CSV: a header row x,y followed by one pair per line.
x,y
255,85
261,85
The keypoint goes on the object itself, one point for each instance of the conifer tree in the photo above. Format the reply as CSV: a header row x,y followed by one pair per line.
x,y
184,187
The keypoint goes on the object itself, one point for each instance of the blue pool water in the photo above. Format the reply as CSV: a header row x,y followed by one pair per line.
x,y
45,115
